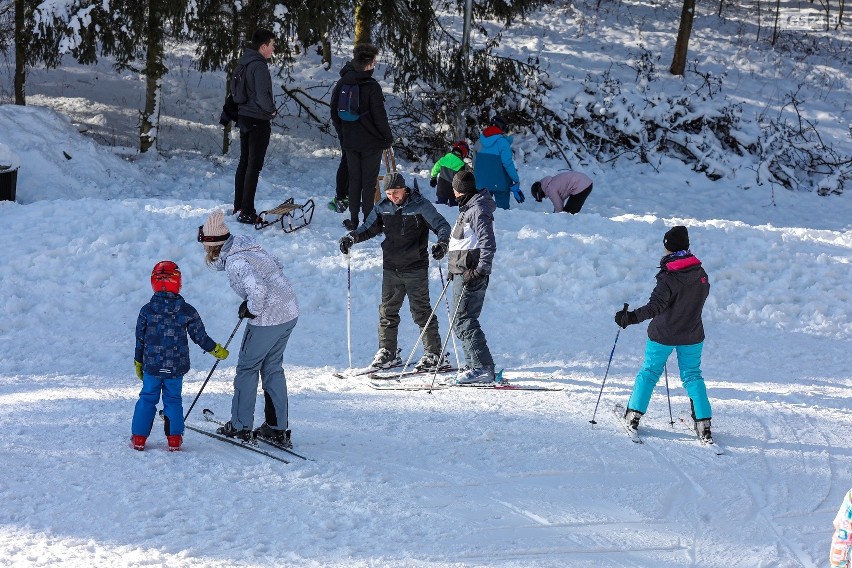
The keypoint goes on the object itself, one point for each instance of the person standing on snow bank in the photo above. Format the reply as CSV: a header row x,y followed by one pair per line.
x,y
162,355
405,217
568,191
675,306
841,540
255,117
269,303
472,248
494,165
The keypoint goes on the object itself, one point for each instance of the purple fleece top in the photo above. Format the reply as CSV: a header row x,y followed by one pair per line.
x,y
561,186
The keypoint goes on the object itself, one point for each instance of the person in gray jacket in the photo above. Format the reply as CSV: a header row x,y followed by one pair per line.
x,y
254,121
472,248
269,304
405,218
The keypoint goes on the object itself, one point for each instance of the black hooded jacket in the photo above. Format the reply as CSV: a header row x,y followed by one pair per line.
x,y
371,132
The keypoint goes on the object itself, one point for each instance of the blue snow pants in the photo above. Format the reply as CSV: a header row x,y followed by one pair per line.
x,y
146,406
689,361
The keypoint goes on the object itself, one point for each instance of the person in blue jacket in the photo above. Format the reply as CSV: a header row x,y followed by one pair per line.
x,y
494,166
162,354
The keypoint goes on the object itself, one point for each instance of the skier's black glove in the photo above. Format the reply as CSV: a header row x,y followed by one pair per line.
x,y
244,311
623,318
439,249
472,277
433,182
346,242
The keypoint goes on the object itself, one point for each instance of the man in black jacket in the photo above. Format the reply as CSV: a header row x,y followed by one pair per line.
x,y
254,120
364,138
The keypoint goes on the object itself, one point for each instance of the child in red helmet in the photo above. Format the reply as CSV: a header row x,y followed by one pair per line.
x,y
162,354
444,171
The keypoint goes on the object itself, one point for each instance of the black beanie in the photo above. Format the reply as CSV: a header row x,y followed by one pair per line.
x,y
464,182
676,238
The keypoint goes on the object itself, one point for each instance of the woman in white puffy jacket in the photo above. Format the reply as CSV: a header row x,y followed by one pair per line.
x,y
269,304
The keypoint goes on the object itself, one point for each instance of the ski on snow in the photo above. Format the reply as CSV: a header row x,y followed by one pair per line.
x,y
240,444
380,376
211,417
500,384
685,423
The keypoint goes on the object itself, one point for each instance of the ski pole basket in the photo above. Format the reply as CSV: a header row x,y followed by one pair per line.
x,y
291,216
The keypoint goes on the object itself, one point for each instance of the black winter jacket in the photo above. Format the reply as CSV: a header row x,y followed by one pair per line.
x,y
371,132
677,301
261,103
406,228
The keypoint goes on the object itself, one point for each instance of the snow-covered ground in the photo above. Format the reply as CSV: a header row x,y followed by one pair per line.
x,y
459,477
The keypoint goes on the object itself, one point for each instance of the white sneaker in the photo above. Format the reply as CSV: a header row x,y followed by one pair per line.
x,y
479,375
384,359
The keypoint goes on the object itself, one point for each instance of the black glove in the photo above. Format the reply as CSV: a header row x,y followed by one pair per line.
x,y
623,318
244,311
433,182
346,242
471,277
439,249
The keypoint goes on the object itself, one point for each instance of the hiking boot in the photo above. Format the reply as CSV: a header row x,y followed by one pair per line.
x,y
340,205
702,430
430,362
477,375
384,359
350,224
247,218
175,442
632,418
280,437
229,431
138,442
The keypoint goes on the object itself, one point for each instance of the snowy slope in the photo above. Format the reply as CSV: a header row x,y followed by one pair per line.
x,y
453,478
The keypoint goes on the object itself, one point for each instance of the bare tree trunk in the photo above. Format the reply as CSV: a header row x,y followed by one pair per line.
x,y
775,25
684,31
326,51
149,122
21,41
840,13
364,12
721,2
759,22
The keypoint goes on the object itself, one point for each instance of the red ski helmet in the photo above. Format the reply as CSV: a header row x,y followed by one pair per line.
x,y
462,148
166,277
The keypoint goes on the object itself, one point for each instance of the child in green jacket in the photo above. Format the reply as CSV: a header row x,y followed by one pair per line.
x,y
444,170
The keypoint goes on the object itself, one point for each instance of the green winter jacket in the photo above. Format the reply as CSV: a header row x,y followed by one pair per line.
x,y
447,166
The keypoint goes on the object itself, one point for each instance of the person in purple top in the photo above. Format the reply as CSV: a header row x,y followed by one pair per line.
x,y
568,191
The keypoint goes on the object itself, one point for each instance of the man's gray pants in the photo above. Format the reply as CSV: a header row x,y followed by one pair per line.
x,y
470,300
262,352
395,286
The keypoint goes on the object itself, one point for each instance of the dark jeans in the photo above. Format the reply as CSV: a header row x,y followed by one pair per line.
x,y
467,326
575,202
444,193
363,173
341,187
254,140
395,286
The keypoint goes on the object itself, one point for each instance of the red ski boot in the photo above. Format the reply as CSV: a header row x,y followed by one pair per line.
x,y
175,442
138,442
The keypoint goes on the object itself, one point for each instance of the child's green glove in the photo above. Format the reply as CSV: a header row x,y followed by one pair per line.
x,y
220,352
138,366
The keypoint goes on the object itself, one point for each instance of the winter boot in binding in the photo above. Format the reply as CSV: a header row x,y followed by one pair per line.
x,y
384,359
229,431
474,376
702,430
138,442
175,442
632,418
280,437
430,362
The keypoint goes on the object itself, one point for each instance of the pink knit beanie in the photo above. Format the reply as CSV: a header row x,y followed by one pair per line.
x,y
214,232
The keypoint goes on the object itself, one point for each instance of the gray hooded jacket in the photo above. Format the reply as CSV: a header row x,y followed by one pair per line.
x,y
472,242
260,103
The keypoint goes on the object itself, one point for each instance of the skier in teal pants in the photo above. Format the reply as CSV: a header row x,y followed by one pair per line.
x,y
675,310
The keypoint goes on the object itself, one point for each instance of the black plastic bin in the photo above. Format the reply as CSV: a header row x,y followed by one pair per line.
x,y
8,183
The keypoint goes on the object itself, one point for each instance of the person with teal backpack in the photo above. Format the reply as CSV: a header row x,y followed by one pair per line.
x,y
445,169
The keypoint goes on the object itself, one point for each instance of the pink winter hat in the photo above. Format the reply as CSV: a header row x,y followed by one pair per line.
x,y
214,231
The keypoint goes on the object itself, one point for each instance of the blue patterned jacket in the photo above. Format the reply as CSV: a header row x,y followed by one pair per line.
x,y
161,330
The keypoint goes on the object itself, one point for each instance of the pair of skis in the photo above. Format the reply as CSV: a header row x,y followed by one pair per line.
x,y
444,383
684,424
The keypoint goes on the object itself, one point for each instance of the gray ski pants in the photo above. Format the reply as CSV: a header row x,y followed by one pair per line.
x,y
395,286
467,326
262,352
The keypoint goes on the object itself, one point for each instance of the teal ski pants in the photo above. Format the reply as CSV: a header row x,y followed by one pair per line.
x,y
689,361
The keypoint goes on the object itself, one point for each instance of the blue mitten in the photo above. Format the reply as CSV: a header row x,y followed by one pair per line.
x,y
516,191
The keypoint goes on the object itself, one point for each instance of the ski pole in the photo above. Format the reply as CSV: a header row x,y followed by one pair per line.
x,y
668,396
210,374
447,300
452,323
422,333
349,308
607,370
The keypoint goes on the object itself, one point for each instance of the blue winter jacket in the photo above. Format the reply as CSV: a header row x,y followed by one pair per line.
x,y
161,331
493,164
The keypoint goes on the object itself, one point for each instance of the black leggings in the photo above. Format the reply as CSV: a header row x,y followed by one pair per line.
x,y
575,202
